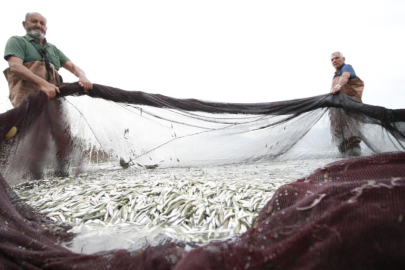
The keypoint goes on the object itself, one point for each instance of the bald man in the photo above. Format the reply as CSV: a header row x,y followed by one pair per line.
x,y
33,67
32,59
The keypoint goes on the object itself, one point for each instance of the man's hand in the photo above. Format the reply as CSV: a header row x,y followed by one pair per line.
x,y
85,83
16,66
336,89
49,89
78,72
342,81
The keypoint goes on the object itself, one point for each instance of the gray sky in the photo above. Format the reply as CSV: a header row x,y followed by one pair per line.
x,y
229,51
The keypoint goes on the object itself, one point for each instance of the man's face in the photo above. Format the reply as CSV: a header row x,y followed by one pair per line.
x,y
337,61
36,26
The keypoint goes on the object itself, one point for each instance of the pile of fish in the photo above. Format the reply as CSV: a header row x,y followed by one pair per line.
x,y
193,203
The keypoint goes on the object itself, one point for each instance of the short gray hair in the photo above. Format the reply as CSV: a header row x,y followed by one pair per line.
x,y
26,15
340,54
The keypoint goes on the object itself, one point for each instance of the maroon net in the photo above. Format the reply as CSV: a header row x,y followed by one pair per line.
x,y
348,215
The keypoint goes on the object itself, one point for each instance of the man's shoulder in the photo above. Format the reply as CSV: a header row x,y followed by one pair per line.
x,y
19,38
347,67
16,46
16,42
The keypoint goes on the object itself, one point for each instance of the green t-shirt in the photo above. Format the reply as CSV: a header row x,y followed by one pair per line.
x,y
27,48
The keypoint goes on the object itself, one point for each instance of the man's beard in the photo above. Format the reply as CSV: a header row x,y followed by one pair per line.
x,y
35,32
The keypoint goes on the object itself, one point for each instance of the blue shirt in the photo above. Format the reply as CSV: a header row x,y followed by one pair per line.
x,y
345,68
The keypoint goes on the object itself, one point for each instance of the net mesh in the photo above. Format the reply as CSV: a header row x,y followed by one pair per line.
x,y
345,215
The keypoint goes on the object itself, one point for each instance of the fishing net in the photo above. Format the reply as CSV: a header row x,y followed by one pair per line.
x,y
345,215
123,128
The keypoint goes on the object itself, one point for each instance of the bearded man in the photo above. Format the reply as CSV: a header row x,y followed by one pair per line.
x,y
33,67
345,130
34,60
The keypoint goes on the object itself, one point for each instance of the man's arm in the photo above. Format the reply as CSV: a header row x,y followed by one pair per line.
x,y
342,81
17,67
78,72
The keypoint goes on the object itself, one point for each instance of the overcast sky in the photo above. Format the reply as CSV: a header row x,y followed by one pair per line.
x,y
229,51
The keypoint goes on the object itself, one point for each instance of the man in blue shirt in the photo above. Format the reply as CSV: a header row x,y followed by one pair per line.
x,y
345,79
345,131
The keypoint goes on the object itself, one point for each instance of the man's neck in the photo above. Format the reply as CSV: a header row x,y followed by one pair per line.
x,y
41,41
340,67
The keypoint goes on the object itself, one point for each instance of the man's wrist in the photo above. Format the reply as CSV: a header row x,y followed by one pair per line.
x,y
42,83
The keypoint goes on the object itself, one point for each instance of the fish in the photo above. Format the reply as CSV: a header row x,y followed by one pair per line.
x,y
195,206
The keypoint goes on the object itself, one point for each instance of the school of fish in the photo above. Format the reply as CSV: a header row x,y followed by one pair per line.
x,y
194,205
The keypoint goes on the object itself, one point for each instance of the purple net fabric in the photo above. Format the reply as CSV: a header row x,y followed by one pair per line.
x,y
347,215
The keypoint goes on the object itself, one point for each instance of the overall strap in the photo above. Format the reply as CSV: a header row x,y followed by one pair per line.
x,y
45,58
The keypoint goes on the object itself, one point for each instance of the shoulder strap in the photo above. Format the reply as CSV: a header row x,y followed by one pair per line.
x,y
45,58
